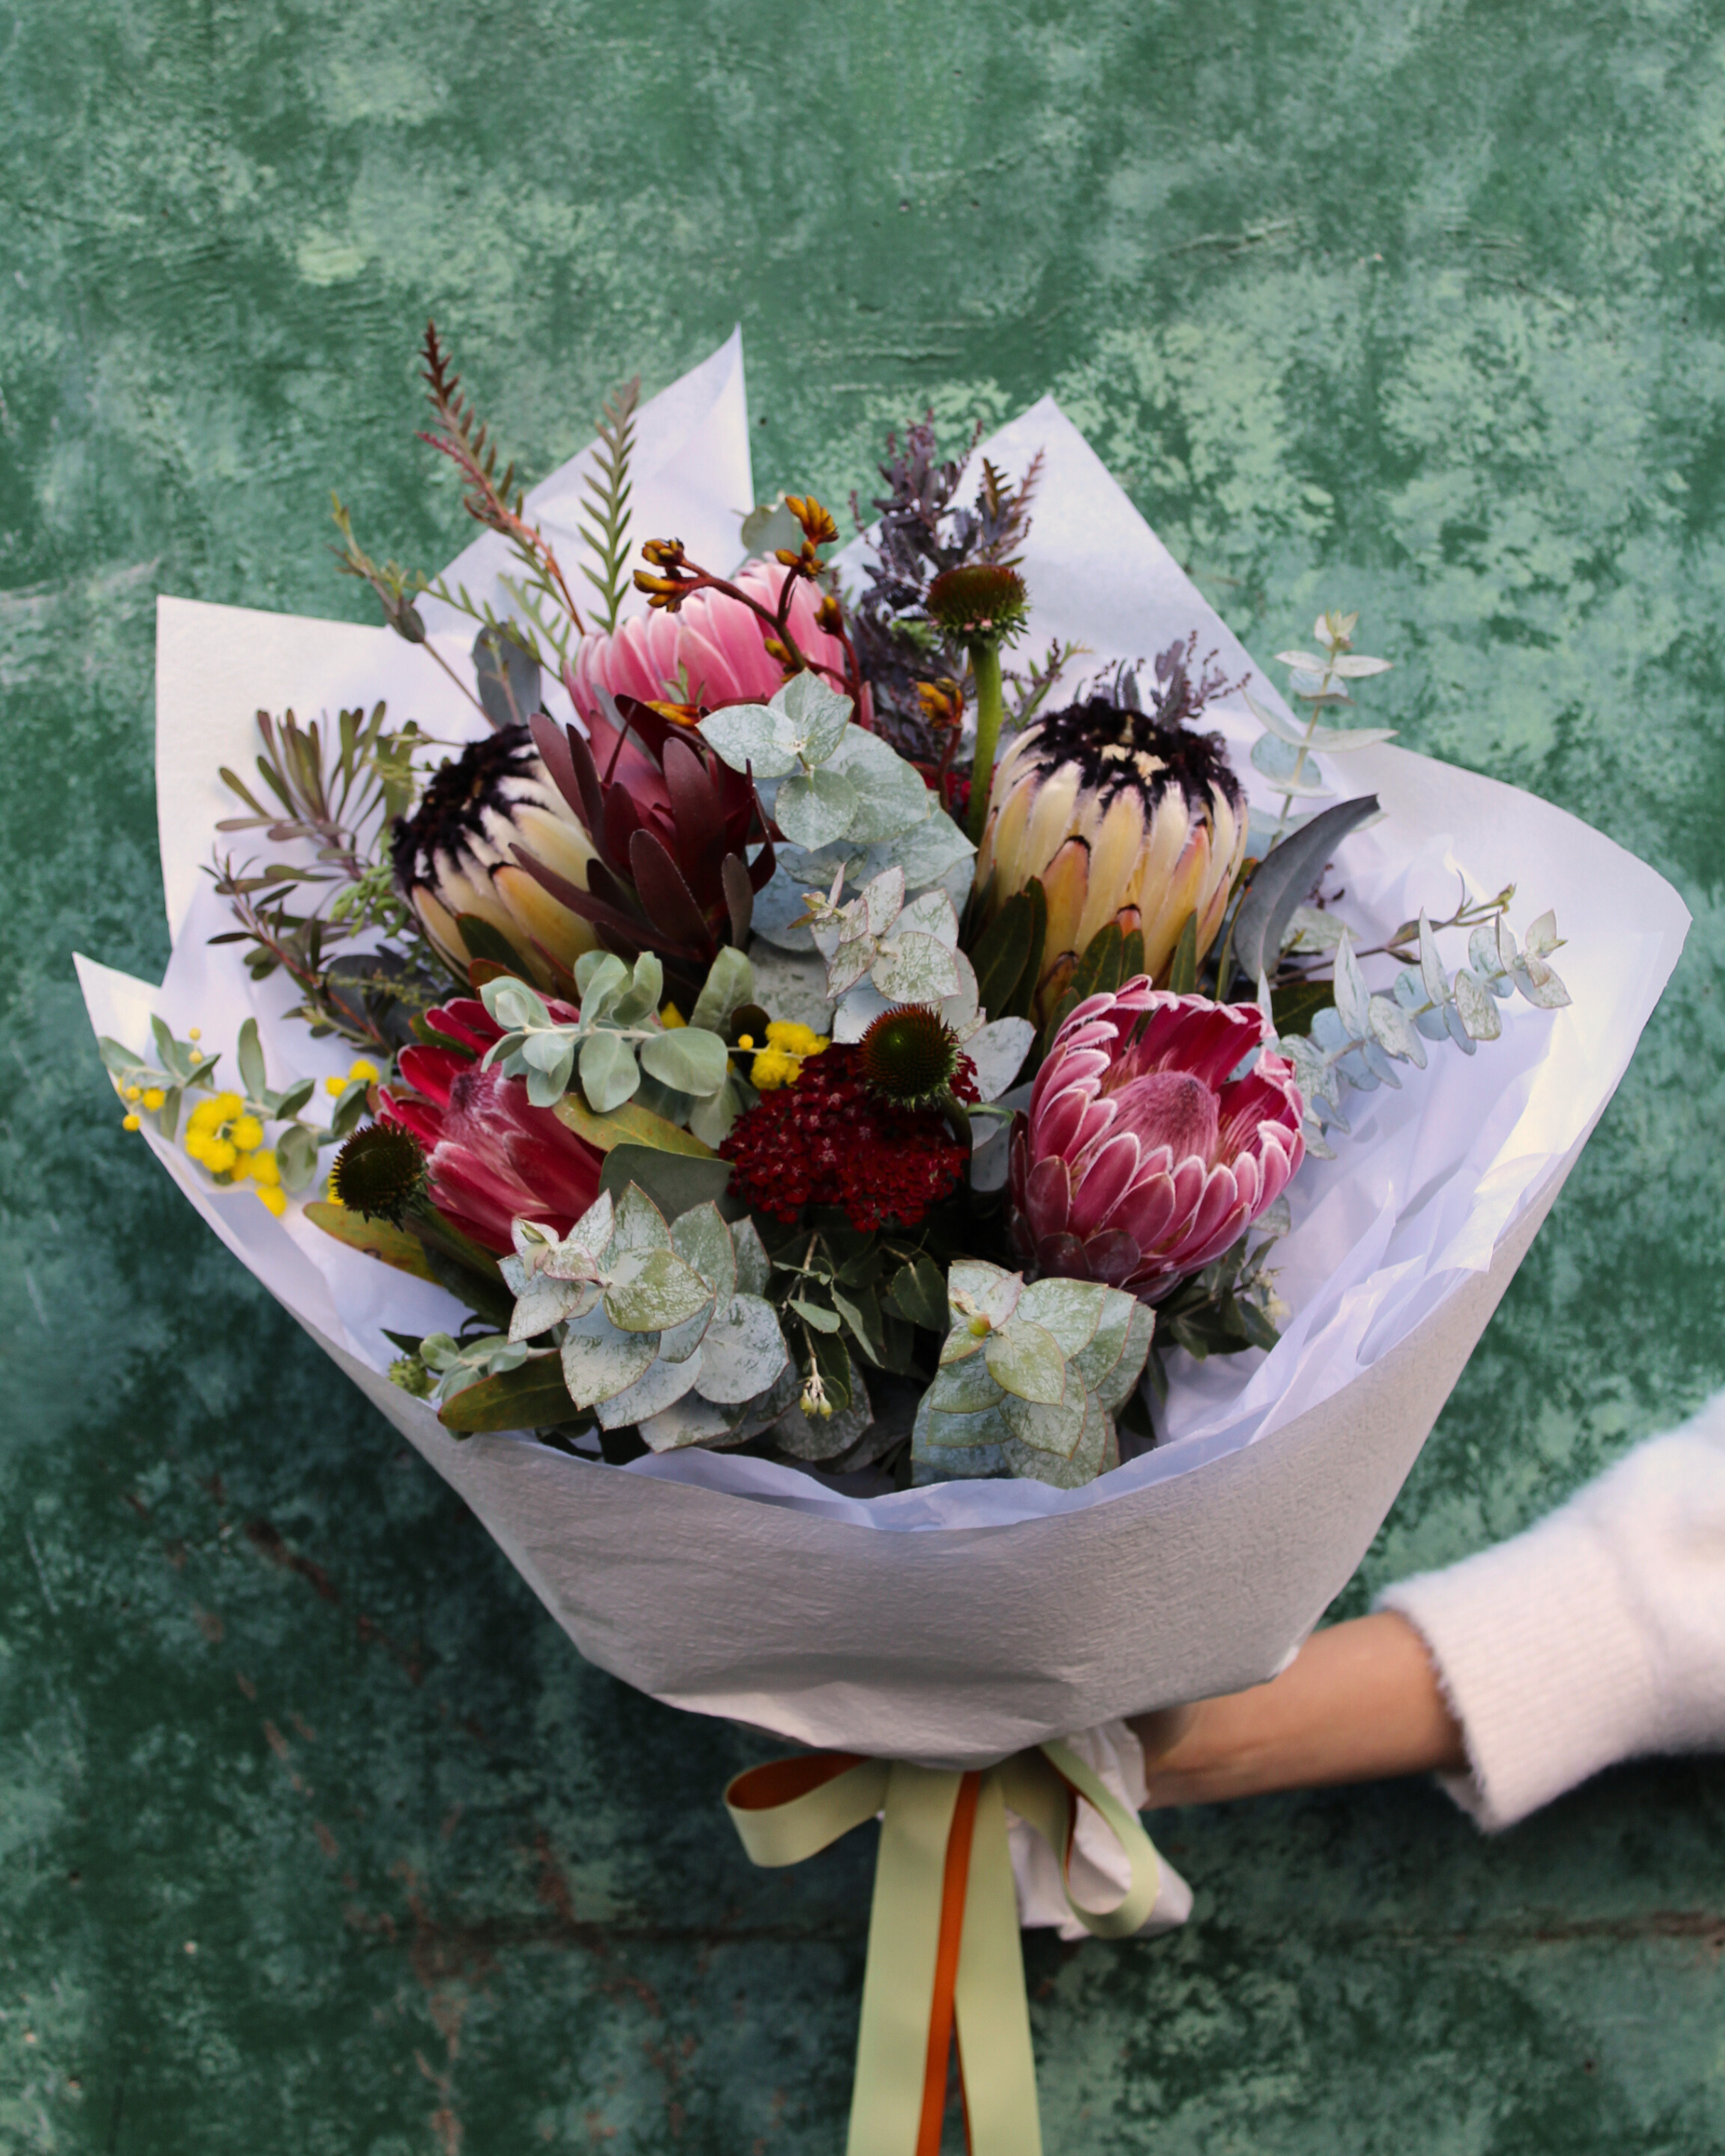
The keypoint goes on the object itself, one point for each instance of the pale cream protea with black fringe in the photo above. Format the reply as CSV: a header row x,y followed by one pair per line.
x,y
1122,816
456,855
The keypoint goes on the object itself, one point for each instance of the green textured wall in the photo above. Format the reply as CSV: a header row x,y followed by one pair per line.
x,y
316,1836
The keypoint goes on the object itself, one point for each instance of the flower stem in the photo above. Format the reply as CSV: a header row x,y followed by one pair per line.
x,y
991,710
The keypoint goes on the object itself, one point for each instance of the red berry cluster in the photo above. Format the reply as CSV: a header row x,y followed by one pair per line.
x,y
825,1139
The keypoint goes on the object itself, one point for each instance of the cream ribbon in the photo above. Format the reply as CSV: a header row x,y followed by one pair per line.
x,y
943,1933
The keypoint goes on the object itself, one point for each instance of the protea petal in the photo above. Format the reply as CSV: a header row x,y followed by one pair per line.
x,y
493,1157
1107,1177
1156,1144
1152,801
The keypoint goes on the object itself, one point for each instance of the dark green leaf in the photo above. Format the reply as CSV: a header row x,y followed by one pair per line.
x,y
1297,1004
675,1182
918,1293
484,942
531,1397
349,1109
1099,970
833,1362
1183,972
1003,954
861,1313
816,1314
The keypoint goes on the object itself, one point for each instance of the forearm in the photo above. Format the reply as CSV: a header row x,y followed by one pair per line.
x,y
1359,1702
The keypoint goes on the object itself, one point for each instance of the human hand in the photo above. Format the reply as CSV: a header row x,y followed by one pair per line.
x,y
1359,1702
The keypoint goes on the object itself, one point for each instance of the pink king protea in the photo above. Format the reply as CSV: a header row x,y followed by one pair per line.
x,y
710,651
1141,1160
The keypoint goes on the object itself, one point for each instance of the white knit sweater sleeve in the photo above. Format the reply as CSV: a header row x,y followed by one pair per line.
x,y
1597,1635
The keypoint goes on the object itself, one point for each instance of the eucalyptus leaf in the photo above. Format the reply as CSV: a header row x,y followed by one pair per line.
x,y
691,1420
1052,1428
651,1290
1351,994
754,1267
600,1360
688,1057
1292,771
815,810
891,794
660,1386
296,1157
1283,879
752,735
817,713
608,1074
998,1051
251,1059
701,1239
1026,1361
1334,741
1071,1311
916,968
744,1350
1479,1012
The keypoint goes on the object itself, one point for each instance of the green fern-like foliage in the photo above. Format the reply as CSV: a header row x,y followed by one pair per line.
x,y
607,502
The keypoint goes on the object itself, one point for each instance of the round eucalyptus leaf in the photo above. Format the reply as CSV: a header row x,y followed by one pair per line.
x,y
609,1076
685,1056
813,811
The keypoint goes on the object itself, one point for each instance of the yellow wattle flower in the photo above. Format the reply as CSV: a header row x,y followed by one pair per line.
x,y
1122,816
789,1046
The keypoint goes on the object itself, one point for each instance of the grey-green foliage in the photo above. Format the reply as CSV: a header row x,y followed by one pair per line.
x,y
849,806
1285,753
457,1364
184,1068
1030,1379
650,1317
616,1042
1366,1033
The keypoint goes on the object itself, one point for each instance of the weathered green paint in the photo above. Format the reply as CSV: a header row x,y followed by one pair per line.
x,y
1417,308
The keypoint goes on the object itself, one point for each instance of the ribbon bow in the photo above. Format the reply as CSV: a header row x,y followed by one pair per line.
x,y
943,1933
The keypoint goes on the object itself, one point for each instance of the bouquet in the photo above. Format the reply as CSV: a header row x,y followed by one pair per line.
x,y
921,1145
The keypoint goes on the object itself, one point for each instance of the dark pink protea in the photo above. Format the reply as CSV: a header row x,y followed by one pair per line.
x,y
711,650
493,1157
1141,1161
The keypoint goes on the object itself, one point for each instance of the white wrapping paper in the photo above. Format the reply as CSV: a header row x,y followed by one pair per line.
x,y
959,1624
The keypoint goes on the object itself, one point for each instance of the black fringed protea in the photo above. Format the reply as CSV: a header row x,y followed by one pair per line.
x,y
910,1055
455,857
379,1172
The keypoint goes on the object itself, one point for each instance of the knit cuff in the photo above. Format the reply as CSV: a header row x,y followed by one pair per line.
x,y
1541,1659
